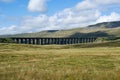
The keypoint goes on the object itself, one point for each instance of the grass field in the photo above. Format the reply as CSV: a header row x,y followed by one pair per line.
x,y
65,62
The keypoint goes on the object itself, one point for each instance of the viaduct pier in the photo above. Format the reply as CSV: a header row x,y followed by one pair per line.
x,y
47,41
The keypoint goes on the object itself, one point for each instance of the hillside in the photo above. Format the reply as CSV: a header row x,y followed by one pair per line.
x,y
105,29
107,24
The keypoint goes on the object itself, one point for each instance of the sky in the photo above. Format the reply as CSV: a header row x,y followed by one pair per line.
x,y
26,16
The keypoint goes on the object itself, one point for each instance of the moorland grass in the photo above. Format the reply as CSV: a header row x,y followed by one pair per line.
x,y
55,62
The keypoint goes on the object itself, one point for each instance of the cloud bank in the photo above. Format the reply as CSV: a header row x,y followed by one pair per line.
x,y
82,14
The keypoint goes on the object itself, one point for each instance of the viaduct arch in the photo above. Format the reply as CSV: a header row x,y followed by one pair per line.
x,y
47,41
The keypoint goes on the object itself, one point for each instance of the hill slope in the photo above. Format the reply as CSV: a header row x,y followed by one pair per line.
x,y
107,24
106,29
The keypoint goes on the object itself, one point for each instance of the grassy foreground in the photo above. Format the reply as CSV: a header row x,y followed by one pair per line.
x,y
70,62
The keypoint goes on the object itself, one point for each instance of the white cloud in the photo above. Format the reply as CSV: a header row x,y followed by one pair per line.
x,y
107,18
8,30
86,4
62,20
37,5
95,4
105,2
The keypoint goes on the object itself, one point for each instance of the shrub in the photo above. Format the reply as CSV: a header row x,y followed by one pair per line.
x,y
6,40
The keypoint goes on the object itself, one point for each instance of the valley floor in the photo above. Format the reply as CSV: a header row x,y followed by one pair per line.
x,y
29,62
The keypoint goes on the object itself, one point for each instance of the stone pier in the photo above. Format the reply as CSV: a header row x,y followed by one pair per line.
x,y
47,41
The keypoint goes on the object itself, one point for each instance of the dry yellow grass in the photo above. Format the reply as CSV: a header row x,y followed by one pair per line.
x,y
28,62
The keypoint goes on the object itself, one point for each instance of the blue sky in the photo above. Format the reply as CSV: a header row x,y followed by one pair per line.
x,y
19,7
23,16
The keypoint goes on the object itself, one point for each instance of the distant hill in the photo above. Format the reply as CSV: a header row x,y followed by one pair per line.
x,y
107,24
105,29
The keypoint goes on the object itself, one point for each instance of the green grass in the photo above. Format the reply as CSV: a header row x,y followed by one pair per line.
x,y
66,62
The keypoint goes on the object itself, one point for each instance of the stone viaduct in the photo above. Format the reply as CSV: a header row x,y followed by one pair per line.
x,y
47,41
